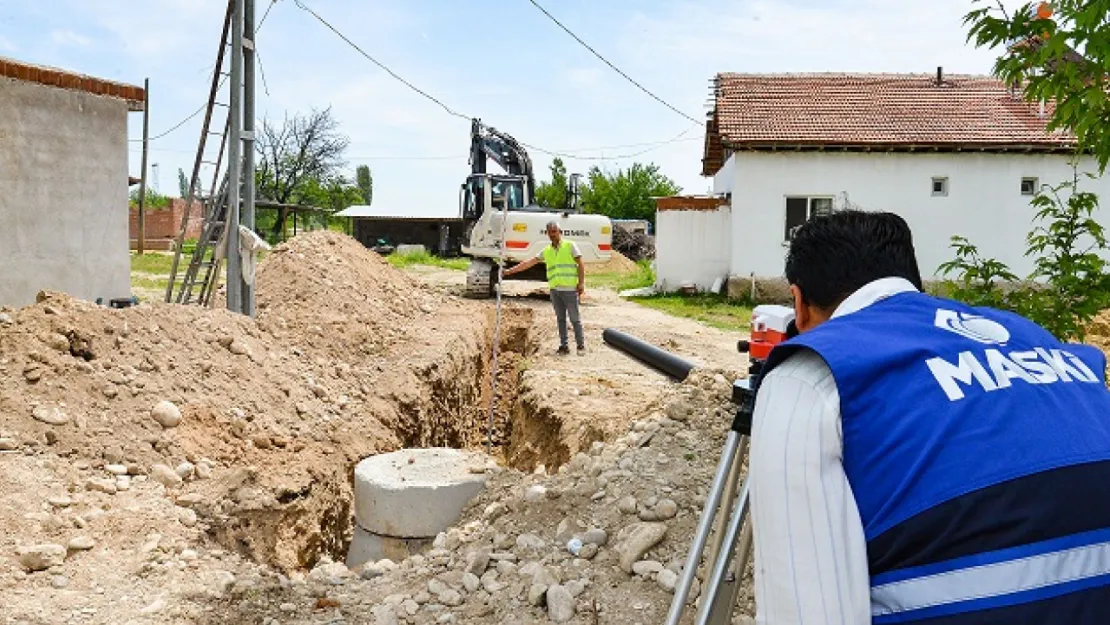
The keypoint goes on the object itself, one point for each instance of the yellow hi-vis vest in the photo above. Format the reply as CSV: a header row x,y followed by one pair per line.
x,y
562,271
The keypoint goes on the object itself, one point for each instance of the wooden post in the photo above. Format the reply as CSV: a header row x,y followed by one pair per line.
x,y
142,181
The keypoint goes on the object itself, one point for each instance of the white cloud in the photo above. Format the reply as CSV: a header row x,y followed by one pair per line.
x,y
69,38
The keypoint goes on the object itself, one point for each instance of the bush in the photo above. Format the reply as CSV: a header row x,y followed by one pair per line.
x,y
1068,285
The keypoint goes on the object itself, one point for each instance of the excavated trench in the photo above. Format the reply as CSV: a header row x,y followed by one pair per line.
x,y
445,405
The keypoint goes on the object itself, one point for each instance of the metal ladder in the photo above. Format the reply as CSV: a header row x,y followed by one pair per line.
x,y
203,270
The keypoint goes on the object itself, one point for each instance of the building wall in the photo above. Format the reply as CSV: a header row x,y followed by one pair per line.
x,y
63,193
984,201
691,246
162,224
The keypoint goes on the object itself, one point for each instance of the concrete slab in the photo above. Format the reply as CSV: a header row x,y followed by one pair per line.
x,y
416,493
369,547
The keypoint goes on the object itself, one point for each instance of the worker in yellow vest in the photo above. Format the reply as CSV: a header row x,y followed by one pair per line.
x,y
566,275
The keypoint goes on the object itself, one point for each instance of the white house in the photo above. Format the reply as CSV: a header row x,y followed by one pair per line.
x,y
954,155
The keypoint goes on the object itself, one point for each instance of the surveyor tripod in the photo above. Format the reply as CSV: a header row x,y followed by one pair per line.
x,y
725,510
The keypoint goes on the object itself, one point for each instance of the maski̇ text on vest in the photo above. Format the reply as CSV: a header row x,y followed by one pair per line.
x,y
992,370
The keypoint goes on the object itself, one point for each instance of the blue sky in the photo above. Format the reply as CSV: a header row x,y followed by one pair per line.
x,y
501,60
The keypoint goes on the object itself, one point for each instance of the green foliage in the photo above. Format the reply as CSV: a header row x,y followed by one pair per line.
x,y
1041,58
182,183
154,199
1068,285
628,193
713,310
554,194
424,258
365,182
643,276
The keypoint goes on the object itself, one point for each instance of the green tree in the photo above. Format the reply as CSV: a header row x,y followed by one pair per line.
x,y
365,183
1040,57
296,158
153,198
1068,285
627,193
553,194
182,183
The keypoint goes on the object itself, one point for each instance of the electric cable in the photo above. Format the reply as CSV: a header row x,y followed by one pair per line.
x,y
614,67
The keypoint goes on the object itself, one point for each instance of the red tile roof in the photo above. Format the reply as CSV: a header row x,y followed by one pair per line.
x,y
53,76
872,111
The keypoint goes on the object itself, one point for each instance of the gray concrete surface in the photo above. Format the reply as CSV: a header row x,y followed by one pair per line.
x,y
369,547
416,493
63,193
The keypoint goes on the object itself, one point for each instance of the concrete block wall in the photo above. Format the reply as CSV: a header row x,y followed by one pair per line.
x,y
63,193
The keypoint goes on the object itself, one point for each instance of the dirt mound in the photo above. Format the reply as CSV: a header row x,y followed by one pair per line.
x,y
1098,332
618,263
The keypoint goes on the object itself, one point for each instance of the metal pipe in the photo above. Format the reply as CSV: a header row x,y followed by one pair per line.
x,y
247,217
649,354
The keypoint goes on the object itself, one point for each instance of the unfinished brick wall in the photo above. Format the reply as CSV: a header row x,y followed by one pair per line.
x,y
163,224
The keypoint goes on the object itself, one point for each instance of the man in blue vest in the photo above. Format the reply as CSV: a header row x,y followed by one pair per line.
x,y
566,277
917,460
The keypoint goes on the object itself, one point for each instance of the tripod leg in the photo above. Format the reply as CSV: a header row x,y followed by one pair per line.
x,y
727,500
724,466
714,610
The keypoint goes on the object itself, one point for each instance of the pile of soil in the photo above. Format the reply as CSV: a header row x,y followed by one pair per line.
x,y
618,263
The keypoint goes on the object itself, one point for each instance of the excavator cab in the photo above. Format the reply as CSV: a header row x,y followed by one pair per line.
x,y
484,190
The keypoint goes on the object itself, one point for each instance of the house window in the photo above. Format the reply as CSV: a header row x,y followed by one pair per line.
x,y
801,209
940,186
1028,186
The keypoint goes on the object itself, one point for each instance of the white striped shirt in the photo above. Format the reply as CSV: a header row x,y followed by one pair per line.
x,y
810,552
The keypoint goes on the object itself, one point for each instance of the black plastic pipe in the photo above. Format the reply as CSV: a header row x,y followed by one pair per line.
x,y
649,354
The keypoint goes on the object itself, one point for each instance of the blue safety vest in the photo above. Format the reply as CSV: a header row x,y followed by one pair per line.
x,y
977,447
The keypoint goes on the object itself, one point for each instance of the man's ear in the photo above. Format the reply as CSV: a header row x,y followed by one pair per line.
x,y
801,310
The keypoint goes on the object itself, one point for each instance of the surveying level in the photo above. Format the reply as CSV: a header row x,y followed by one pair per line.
x,y
771,325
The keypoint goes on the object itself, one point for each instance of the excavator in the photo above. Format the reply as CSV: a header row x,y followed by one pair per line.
x,y
485,198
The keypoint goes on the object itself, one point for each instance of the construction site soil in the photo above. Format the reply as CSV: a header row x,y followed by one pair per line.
x,y
174,464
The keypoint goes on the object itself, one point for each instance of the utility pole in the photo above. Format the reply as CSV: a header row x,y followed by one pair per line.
x,y
235,163
141,244
248,138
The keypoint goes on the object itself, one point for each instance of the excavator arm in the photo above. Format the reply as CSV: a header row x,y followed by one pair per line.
x,y
487,142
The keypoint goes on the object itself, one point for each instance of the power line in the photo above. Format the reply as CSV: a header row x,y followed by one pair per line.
x,y
377,62
568,154
222,81
615,68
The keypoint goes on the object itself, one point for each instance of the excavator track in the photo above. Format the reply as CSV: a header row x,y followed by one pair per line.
x,y
480,278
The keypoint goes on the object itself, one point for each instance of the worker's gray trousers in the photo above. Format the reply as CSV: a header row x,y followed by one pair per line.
x,y
566,302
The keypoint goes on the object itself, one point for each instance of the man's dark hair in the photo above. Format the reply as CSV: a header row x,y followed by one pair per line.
x,y
834,255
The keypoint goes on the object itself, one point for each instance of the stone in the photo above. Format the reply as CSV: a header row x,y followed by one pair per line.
x,y
8,444
478,560
41,557
116,469
51,415
495,511
185,470
203,471
667,580
101,485
154,607
575,587
640,538
588,551
534,493
560,604
530,542
471,582
165,476
646,568
166,414
369,547
596,536
288,607
328,572
536,594
239,348
187,517
80,543
57,342
665,509
451,597
679,410
417,499
60,501
189,500
59,581
385,615
627,504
